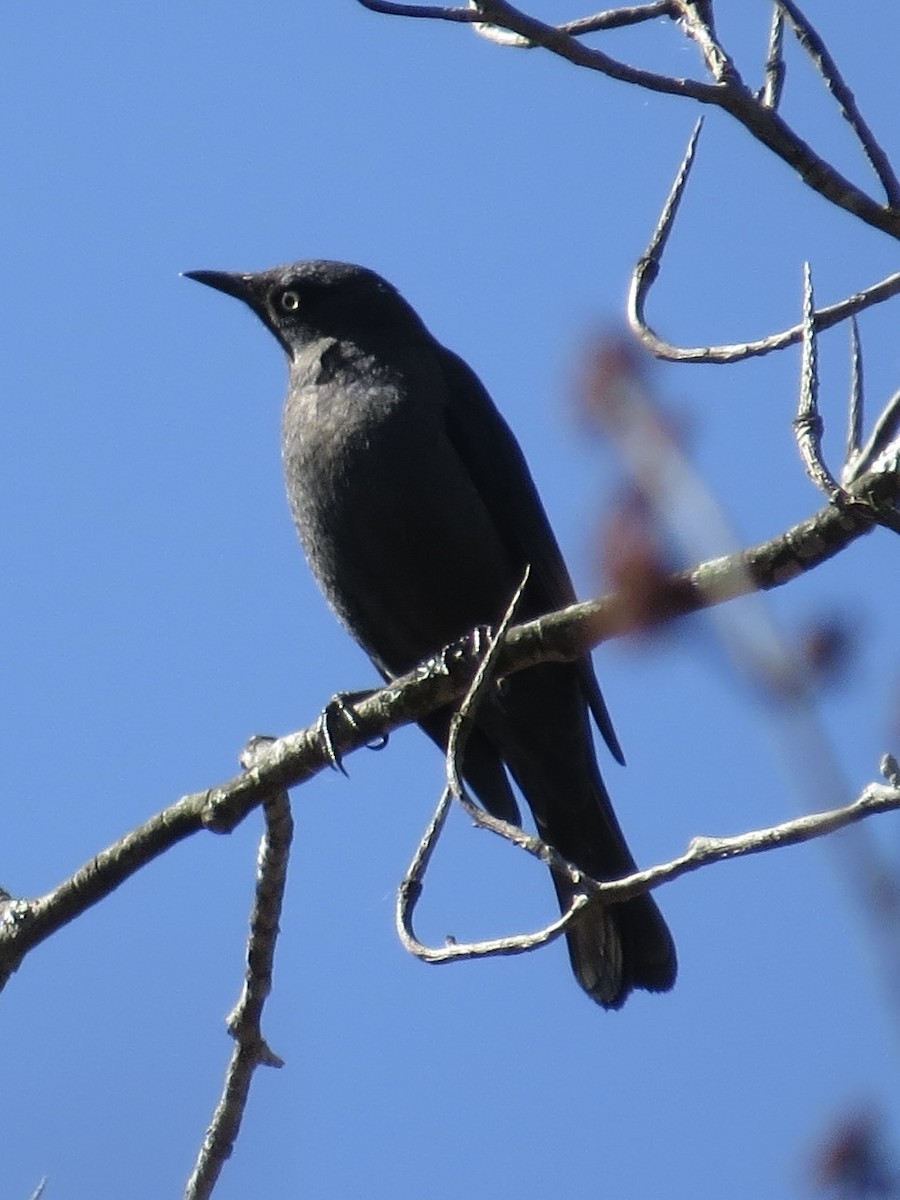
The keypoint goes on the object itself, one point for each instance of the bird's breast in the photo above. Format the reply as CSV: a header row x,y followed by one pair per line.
x,y
394,528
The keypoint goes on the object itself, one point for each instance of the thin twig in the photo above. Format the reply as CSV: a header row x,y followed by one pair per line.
x,y
808,426
413,882
770,94
618,18
244,1022
697,21
647,270
857,397
883,435
815,47
615,18
881,453
825,318
649,264
432,12
875,799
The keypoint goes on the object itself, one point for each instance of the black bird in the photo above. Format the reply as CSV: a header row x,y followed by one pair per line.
x,y
418,515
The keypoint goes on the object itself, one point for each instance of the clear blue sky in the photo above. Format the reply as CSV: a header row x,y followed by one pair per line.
x,y
156,609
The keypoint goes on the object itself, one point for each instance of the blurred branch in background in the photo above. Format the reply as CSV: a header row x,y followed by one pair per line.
x,y
667,512
855,1162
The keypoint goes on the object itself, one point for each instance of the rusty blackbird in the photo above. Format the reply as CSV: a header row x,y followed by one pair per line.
x,y
418,515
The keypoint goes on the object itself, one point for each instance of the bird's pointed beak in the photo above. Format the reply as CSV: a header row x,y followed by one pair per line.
x,y
249,288
233,284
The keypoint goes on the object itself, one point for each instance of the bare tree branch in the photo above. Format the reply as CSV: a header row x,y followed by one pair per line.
x,y
770,95
815,47
560,637
882,451
648,267
883,448
614,18
857,397
825,318
808,425
412,885
618,18
697,21
875,799
244,1022
434,12
728,93
702,851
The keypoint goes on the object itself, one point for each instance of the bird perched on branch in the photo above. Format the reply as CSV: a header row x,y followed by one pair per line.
x,y
419,515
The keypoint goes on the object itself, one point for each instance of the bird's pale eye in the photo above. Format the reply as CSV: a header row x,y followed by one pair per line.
x,y
289,301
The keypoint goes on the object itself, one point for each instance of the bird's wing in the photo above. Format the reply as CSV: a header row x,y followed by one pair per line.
x,y
497,467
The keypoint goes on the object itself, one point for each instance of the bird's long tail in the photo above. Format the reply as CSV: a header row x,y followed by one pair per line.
x,y
542,730
619,947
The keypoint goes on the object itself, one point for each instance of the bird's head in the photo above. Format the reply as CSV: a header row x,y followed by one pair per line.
x,y
306,301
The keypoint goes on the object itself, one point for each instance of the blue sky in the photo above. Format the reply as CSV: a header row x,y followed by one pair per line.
x,y
156,609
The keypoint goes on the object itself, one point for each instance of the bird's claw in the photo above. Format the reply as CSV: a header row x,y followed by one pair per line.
x,y
473,644
341,705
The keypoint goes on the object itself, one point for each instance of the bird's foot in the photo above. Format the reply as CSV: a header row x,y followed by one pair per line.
x,y
472,646
340,706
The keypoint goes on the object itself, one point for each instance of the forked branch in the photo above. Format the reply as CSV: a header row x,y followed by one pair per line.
x,y
702,852
758,112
